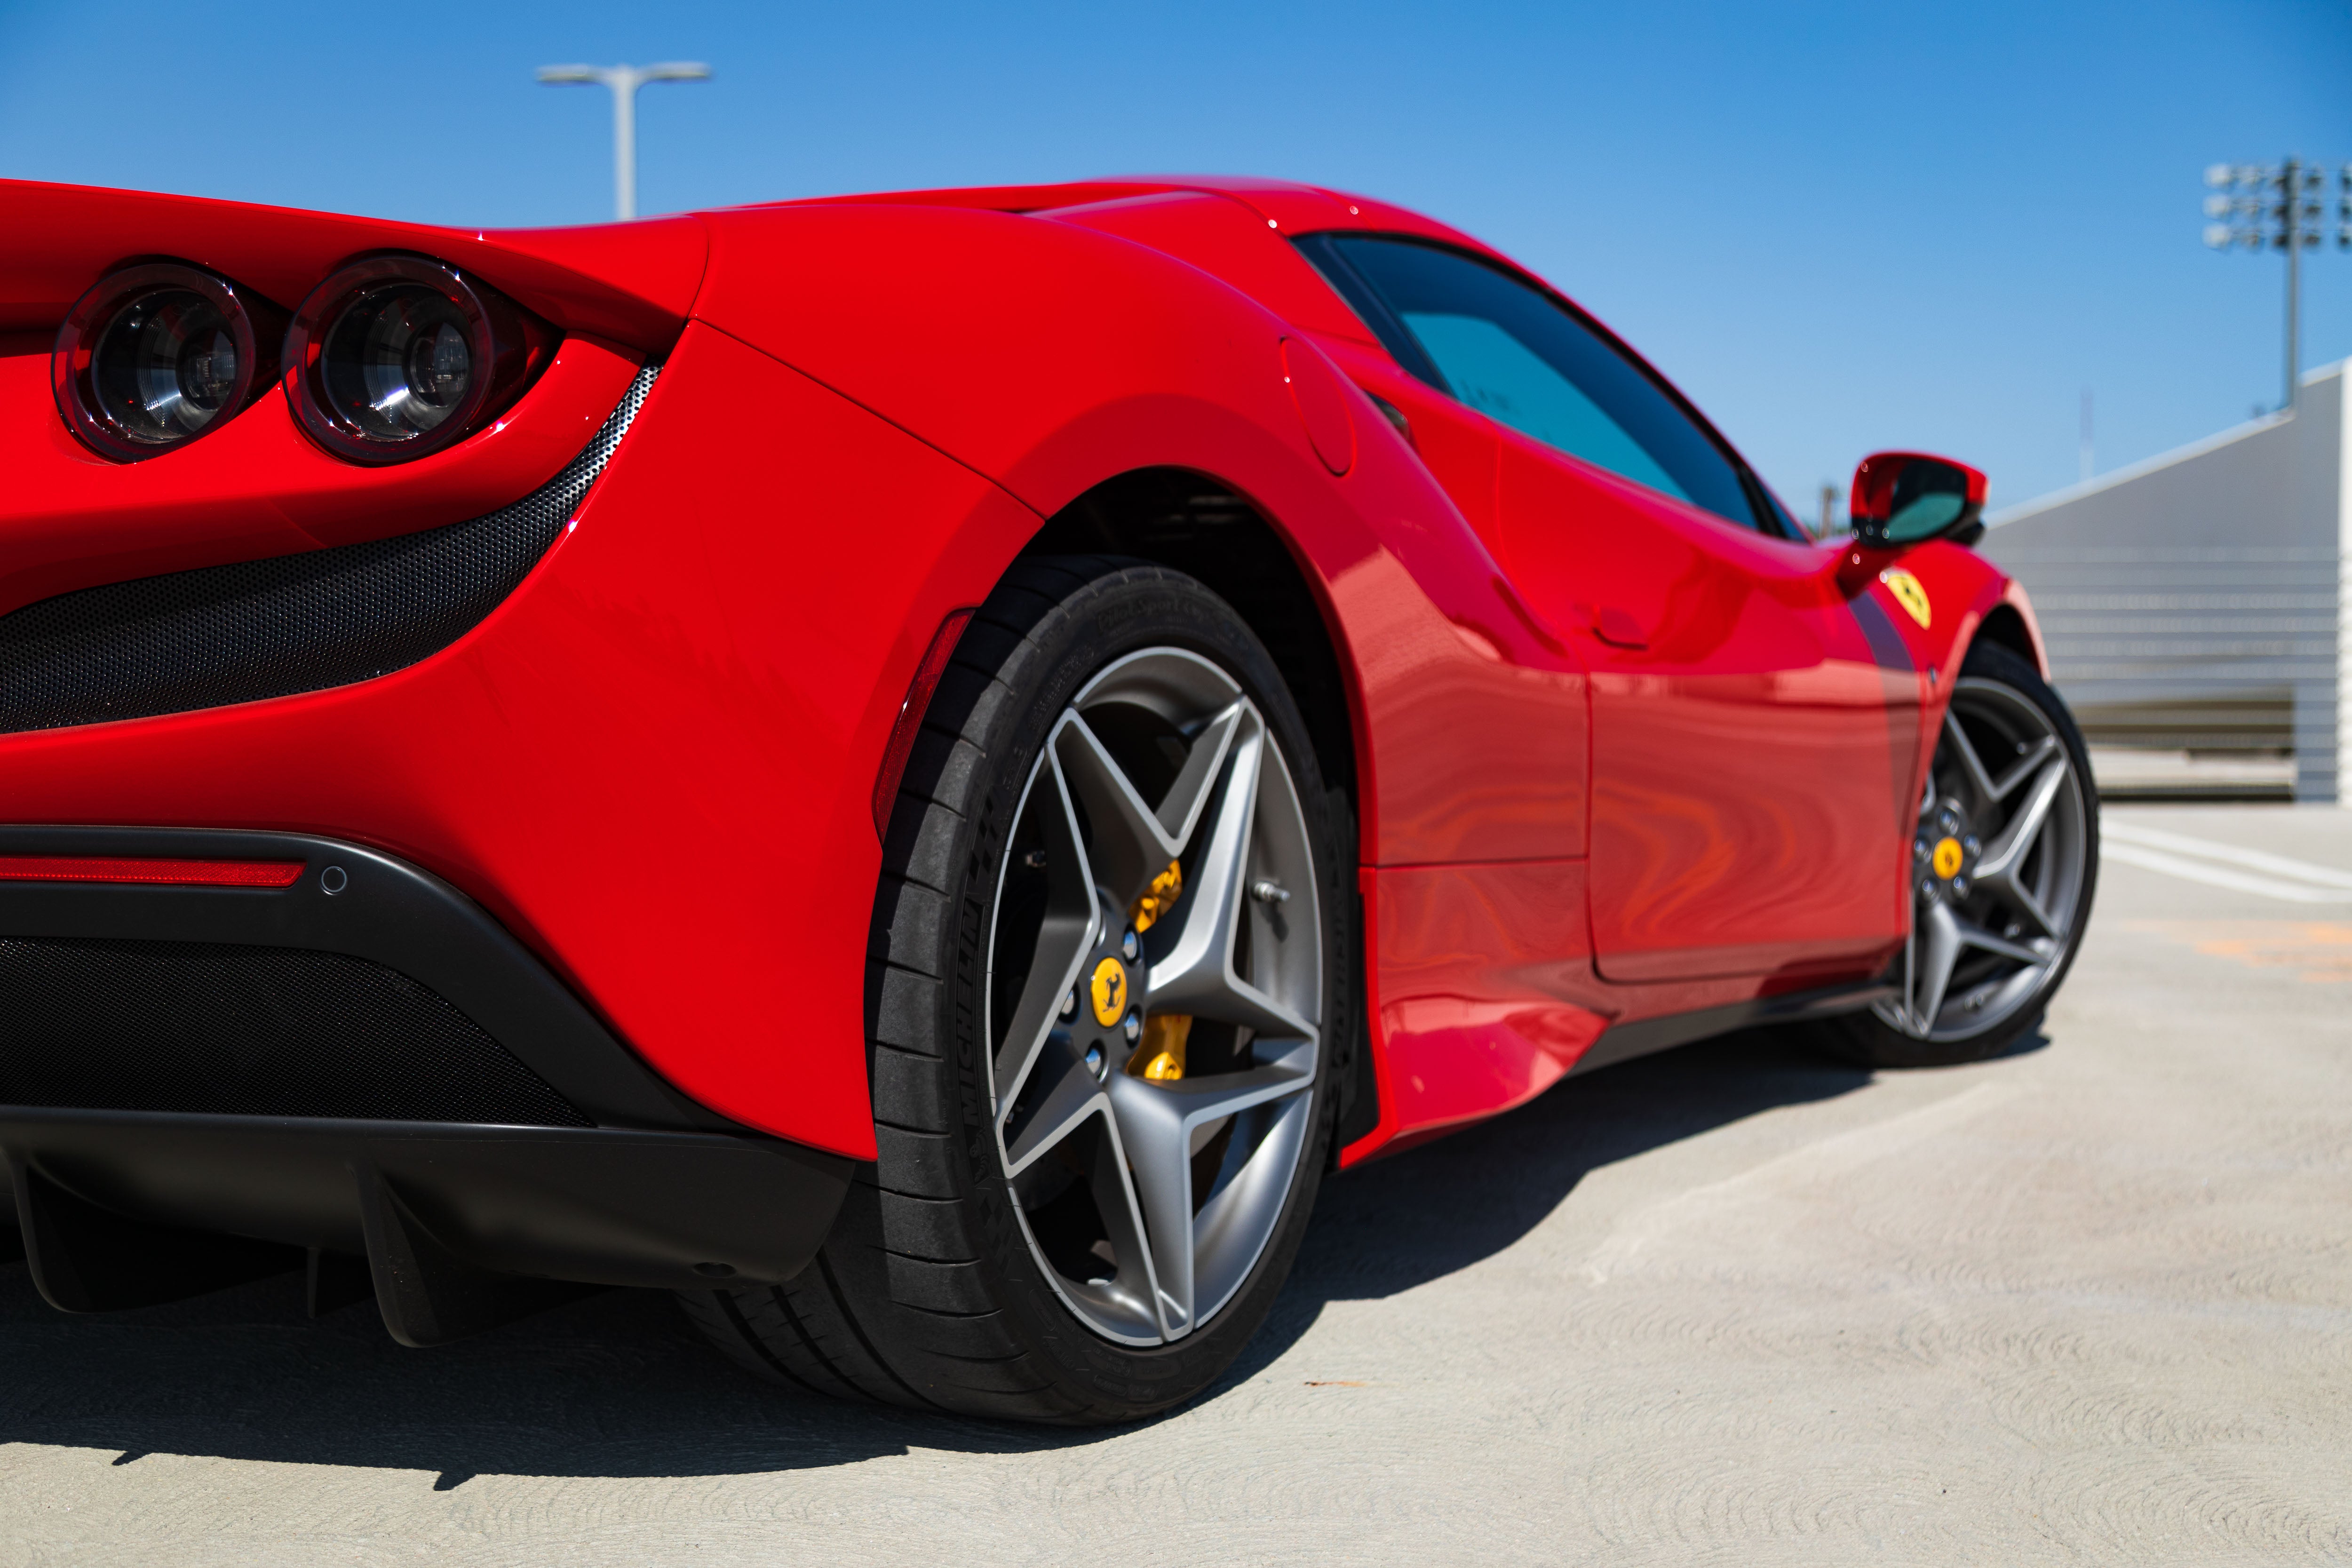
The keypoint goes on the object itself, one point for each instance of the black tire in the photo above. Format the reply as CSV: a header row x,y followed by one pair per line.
x,y
1869,1039
928,1293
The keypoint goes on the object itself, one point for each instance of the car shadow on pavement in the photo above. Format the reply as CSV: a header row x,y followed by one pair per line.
x,y
1417,1216
616,1385
619,1386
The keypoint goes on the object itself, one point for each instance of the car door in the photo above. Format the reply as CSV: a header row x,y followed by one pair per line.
x,y
1747,780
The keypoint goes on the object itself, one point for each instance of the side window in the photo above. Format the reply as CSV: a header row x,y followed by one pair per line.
x,y
1506,351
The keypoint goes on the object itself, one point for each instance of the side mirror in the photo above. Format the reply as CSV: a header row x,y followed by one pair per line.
x,y
1907,498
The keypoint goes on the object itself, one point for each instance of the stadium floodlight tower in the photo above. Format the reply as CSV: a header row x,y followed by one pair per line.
x,y
624,80
2278,206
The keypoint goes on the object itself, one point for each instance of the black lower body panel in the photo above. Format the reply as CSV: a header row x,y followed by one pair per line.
x,y
1623,1042
594,1206
201,1084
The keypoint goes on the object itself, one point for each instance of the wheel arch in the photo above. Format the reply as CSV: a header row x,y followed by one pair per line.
x,y
1195,523
2010,625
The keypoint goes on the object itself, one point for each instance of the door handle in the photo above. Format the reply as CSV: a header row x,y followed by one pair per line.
x,y
1618,628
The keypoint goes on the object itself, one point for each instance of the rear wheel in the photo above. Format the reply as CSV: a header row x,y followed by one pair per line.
x,y
2003,861
1104,960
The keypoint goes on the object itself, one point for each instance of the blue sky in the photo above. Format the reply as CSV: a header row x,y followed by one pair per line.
x,y
1839,228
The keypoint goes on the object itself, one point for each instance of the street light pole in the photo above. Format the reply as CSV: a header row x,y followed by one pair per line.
x,y
2293,221
623,81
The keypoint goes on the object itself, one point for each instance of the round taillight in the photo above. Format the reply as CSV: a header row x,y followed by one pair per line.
x,y
158,354
397,356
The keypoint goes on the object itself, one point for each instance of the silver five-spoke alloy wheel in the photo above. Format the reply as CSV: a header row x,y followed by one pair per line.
x,y
1998,867
1153,977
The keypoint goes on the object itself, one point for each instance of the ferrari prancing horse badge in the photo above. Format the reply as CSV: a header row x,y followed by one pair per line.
x,y
1109,991
1907,593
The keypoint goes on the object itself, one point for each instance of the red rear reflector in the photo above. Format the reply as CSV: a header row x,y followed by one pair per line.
x,y
178,873
910,716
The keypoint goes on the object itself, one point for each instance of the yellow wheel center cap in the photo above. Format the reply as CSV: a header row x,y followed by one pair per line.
x,y
1110,983
1948,866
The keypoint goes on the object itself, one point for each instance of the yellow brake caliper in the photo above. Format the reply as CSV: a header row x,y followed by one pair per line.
x,y
1160,1056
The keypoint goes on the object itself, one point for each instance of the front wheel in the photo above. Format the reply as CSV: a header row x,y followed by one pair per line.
x,y
1109,947
2003,864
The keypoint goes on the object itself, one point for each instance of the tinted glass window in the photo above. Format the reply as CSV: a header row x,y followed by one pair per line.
x,y
1511,353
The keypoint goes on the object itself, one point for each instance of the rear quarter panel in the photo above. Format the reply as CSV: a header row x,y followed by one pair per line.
x,y
1049,359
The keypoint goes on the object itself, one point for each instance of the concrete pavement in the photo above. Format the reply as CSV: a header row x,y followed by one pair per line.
x,y
2092,1303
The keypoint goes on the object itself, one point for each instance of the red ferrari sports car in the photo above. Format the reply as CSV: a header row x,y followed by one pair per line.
x,y
917,769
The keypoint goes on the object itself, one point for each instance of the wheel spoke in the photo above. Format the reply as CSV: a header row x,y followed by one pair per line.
x,y
1976,936
1980,781
1938,953
2008,851
1133,842
1113,1189
1180,813
1197,975
1074,1097
1073,921
2025,766
1156,1123
2019,897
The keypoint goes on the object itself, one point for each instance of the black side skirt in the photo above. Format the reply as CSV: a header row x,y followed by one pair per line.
x,y
1625,1041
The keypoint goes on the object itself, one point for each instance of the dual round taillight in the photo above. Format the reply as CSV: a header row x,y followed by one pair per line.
x,y
158,354
397,356
393,357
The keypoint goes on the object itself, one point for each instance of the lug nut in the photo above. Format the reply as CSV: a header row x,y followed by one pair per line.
x,y
1959,887
1096,1063
1918,849
1133,1027
1127,946
1070,1004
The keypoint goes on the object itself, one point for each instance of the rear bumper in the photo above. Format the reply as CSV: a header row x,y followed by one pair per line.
x,y
386,912
327,1112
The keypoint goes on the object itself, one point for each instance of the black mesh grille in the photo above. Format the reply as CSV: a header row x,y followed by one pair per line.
x,y
248,1031
289,624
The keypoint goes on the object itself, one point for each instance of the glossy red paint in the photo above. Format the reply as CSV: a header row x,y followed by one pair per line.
x,y
1317,393
1167,367
1228,238
1585,719
1480,990
1744,808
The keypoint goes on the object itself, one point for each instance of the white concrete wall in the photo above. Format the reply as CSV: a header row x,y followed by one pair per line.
x,y
2201,599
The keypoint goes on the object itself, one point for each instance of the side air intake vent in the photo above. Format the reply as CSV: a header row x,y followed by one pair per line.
x,y
291,623
215,1029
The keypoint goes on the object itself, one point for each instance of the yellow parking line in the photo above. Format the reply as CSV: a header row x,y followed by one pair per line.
x,y
2320,950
